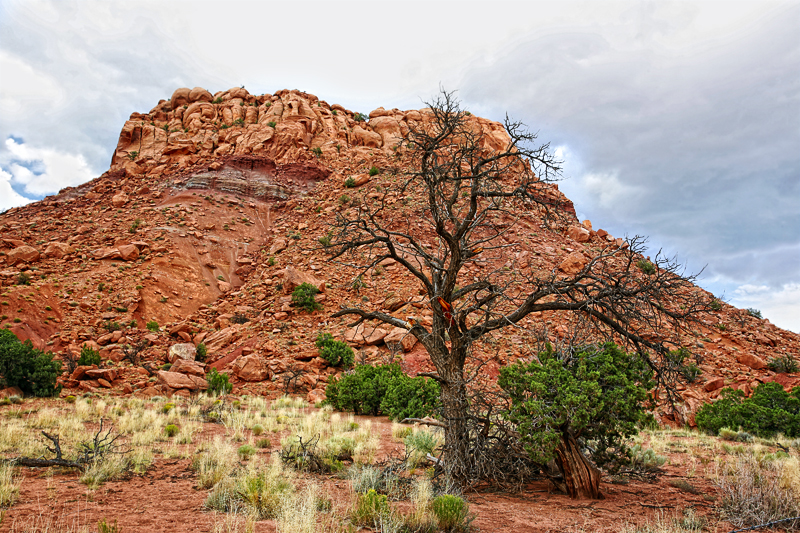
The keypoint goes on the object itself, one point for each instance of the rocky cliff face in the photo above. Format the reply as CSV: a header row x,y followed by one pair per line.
x,y
213,210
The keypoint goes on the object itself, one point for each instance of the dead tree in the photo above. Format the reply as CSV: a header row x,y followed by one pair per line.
x,y
101,445
471,197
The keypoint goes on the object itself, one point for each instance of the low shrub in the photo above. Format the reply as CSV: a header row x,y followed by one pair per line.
x,y
596,391
783,364
374,171
383,389
361,390
218,383
89,356
170,430
451,512
350,183
756,490
303,296
735,436
201,352
246,451
325,240
768,411
369,508
152,326
645,459
754,312
21,365
337,353
646,266
408,397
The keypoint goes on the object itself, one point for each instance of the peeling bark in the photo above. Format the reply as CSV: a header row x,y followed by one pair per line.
x,y
581,477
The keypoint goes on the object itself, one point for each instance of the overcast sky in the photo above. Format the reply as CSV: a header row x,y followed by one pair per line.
x,y
677,120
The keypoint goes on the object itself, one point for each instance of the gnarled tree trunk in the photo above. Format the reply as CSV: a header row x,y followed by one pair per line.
x,y
581,477
455,412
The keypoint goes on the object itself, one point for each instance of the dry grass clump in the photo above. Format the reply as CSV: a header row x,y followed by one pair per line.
x,y
757,488
686,522
9,486
47,523
298,512
109,466
331,439
256,491
213,461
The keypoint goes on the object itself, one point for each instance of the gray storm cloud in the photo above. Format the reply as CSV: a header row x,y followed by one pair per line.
x,y
700,146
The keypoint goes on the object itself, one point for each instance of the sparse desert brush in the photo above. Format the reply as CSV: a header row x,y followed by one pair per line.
x,y
421,517
685,522
451,512
298,511
140,459
9,486
758,490
48,522
213,461
400,431
108,467
421,442
255,490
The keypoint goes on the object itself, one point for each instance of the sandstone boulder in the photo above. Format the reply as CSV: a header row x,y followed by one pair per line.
x,y
58,250
23,254
751,360
400,339
293,277
128,252
120,199
278,246
180,97
714,384
250,368
198,94
760,338
578,234
185,351
365,335
361,179
175,380
315,396
573,263
11,391
109,374
219,339
184,366
80,372
366,138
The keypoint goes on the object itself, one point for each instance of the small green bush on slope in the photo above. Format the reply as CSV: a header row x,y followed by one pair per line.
x,y
383,389
337,353
768,411
23,366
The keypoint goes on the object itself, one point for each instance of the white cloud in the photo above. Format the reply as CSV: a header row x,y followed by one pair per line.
x,y
777,305
58,169
8,196
25,88
607,189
